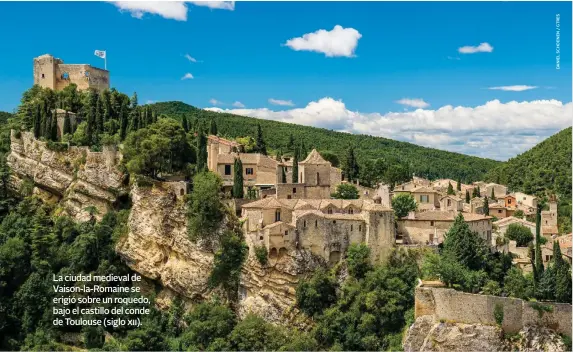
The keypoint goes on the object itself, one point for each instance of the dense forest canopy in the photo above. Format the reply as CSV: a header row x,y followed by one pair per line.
x,y
543,170
427,162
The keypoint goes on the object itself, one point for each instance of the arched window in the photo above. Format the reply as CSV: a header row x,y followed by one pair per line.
x,y
329,211
350,210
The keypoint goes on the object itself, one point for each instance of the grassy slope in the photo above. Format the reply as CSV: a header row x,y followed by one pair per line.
x,y
423,161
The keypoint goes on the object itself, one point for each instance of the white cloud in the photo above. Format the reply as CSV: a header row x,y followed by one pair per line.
x,y
337,42
415,103
173,10
190,58
220,5
482,48
518,88
453,58
493,130
214,101
150,102
281,102
238,104
187,76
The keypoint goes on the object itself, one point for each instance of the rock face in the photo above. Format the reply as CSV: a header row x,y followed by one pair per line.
x,y
426,335
76,177
157,246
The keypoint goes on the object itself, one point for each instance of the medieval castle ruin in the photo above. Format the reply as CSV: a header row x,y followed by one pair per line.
x,y
53,73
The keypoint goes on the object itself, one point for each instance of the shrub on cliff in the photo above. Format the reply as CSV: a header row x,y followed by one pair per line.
x,y
262,255
205,208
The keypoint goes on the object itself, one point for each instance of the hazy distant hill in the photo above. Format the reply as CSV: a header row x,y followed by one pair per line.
x,y
432,163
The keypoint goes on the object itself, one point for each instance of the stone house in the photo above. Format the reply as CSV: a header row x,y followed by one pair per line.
x,y
50,72
429,227
259,171
525,200
441,185
549,226
503,224
317,178
451,203
476,205
426,198
510,201
500,211
325,227
499,190
564,244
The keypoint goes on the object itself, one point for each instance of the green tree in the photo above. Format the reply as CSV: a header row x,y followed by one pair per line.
x,y
185,123
201,152
254,334
486,206
538,267
295,167
518,214
351,169
205,210
358,260
459,185
403,204
261,146
520,234
467,196
228,261
562,273
283,175
37,121
206,323
345,191
466,246
238,179
330,157
316,293
450,189
213,128
67,125
492,194
290,144
124,120
518,286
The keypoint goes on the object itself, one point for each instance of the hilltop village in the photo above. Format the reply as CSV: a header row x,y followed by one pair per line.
x,y
217,223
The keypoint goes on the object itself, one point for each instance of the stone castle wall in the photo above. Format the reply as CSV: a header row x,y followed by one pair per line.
x,y
460,307
52,73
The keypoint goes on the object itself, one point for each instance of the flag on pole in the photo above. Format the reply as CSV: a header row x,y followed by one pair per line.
x,y
100,53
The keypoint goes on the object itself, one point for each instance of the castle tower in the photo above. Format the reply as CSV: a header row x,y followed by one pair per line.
x,y
45,71
50,72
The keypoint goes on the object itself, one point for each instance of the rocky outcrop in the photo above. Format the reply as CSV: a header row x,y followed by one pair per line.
x,y
426,335
157,246
75,176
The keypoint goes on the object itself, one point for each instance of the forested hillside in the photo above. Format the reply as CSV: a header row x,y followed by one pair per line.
x,y
543,170
428,162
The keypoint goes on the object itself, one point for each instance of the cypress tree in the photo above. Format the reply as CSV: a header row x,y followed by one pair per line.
x,y
260,146
123,120
99,117
295,167
154,116
492,194
467,196
284,175
133,100
486,206
185,124
562,276
303,151
37,122
538,269
238,179
459,187
351,168
290,144
213,128
47,128
450,189
43,119
479,192
54,127
201,151
91,120
67,125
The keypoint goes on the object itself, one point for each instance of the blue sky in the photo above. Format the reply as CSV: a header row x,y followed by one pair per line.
x,y
391,69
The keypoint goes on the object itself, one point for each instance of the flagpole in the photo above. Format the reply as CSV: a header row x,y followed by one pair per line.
x,y
105,61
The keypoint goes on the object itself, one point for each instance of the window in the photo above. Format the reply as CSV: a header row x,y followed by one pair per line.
x,y
294,190
499,211
315,223
329,211
300,180
261,238
431,223
277,215
334,221
286,233
359,227
249,171
289,196
509,201
43,75
350,227
449,202
424,199
227,170
350,210
66,75
317,178
304,224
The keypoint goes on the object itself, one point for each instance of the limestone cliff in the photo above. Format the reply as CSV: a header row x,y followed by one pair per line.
x,y
74,176
157,246
427,335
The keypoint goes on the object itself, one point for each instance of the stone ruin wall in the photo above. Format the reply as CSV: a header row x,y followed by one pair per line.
x,y
460,307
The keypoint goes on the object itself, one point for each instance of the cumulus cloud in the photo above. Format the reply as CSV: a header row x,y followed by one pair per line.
x,y
281,102
493,130
238,104
482,48
214,101
187,76
415,103
336,42
173,10
518,88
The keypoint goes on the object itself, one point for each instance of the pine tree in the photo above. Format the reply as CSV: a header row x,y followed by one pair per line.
x,y
467,196
238,179
185,124
459,187
260,143
213,128
201,152
450,189
486,206
295,167
67,125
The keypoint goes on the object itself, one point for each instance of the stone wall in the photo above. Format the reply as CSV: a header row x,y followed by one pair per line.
x,y
459,307
54,74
